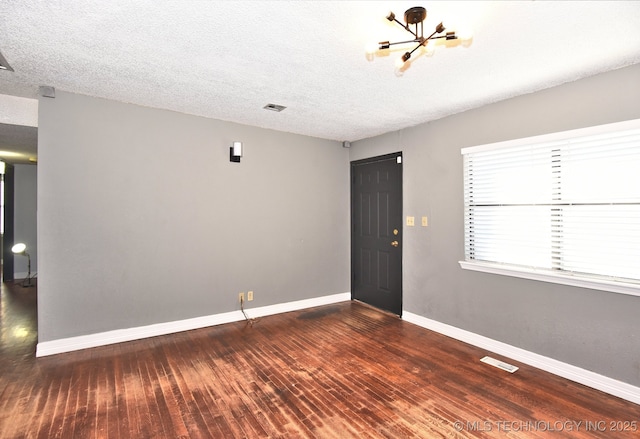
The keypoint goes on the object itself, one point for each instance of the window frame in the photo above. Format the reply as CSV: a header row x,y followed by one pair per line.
x,y
557,277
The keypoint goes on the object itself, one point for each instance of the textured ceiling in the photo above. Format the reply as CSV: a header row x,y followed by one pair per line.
x,y
228,59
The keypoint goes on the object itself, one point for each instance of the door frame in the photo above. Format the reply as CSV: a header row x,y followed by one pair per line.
x,y
352,165
8,237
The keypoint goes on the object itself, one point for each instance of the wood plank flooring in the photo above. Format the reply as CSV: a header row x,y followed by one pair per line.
x,y
338,371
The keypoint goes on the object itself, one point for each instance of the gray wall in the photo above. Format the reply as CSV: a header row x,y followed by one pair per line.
x,y
24,217
595,330
142,218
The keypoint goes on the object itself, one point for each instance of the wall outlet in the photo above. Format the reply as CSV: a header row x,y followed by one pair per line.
x,y
249,296
411,221
241,297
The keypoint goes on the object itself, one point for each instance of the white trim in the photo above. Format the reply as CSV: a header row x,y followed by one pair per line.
x,y
556,137
600,382
297,305
122,335
558,278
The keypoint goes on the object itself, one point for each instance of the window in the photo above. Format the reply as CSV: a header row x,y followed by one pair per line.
x,y
563,207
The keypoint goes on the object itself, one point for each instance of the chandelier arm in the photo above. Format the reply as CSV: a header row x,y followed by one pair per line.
x,y
420,40
407,28
405,42
415,48
431,37
424,41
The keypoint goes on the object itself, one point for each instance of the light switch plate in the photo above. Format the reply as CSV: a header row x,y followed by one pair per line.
x,y
411,221
425,222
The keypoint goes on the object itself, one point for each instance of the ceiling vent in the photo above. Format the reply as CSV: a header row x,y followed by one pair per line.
x,y
274,107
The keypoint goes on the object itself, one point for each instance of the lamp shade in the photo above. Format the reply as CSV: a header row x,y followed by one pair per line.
x,y
19,248
237,149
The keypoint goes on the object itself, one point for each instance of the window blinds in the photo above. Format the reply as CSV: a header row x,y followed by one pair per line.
x,y
568,202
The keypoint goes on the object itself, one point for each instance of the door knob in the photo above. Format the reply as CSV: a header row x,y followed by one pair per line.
x,y
394,243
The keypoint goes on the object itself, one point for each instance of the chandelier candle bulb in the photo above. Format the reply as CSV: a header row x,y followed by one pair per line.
x,y
372,47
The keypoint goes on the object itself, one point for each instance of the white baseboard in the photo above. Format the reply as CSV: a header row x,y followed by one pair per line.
x,y
121,335
600,382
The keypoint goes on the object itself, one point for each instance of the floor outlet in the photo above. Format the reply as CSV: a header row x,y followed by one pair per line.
x,y
249,296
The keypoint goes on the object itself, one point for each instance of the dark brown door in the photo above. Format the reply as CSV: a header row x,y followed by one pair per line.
x,y
376,232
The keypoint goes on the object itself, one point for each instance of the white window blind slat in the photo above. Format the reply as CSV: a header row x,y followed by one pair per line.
x,y
568,205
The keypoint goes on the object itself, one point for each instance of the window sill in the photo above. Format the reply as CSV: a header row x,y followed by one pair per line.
x,y
544,276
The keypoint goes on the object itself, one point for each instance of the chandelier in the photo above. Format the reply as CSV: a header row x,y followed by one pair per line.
x,y
414,19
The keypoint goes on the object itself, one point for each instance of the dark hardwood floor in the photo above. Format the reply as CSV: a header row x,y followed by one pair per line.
x,y
338,371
